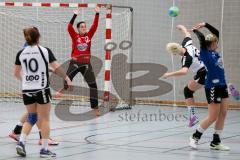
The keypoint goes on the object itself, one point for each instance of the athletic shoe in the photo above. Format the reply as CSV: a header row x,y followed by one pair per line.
x,y
219,147
193,142
51,142
14,136
46,153
193,119
21,149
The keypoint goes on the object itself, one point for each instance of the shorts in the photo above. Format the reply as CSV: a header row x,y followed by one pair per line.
x,y
200,76
40,97
216,94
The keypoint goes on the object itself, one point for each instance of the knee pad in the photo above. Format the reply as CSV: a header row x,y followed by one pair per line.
x,y
32,118
188,93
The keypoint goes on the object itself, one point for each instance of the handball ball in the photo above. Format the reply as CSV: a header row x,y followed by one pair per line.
x,y
173,11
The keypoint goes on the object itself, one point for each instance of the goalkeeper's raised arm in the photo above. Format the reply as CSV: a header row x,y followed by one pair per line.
x,y
95,23
71,30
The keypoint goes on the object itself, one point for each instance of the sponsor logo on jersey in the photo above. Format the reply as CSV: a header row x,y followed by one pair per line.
x,y
215,81
82,46
30,78
85,39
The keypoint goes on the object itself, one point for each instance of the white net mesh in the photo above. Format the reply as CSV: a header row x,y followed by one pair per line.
x,y
52,24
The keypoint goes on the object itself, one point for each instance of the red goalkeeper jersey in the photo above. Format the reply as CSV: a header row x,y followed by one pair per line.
x,y
81,44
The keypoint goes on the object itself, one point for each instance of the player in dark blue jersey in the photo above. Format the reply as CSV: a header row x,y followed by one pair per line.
x,y
215,87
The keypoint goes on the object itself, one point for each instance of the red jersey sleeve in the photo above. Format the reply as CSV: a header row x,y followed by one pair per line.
x,y
94,26
71,31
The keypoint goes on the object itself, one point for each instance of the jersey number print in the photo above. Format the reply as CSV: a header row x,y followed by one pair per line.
x,y
31,65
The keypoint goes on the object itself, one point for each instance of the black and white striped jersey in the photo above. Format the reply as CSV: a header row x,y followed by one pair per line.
x,y
34,62
191,58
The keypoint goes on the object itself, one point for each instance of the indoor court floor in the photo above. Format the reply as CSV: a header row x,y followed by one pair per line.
x,y
123,135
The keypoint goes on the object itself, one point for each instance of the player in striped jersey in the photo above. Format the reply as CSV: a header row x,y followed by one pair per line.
x,y
190,61
31,68
18,128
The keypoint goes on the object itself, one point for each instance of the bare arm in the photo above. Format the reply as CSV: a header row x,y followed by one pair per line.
x,y
183,71
184,30
57,69
17,72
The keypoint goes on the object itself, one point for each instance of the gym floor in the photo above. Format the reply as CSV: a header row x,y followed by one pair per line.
x,y
145,132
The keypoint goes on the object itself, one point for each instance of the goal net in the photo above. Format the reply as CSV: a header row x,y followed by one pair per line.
x,y
52,19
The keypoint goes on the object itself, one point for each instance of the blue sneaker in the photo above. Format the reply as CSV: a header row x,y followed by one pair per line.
x,y
21,149
46,153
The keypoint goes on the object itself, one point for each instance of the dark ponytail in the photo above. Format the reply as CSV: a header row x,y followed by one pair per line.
x,y
31,35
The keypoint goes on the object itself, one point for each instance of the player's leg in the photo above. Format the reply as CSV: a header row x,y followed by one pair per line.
x,y
193,85
51,141
18,128
189,98
43,110
219,125
89,77
213,111
212,96
71,73
47,99
27,126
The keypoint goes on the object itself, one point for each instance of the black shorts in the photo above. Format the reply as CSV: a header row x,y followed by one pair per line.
x,y
200,76
40,97
216,94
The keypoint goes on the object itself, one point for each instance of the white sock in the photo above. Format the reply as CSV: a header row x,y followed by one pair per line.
x,y
23,138
45,144
189,108
18,136
20,123
218,132
200,129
